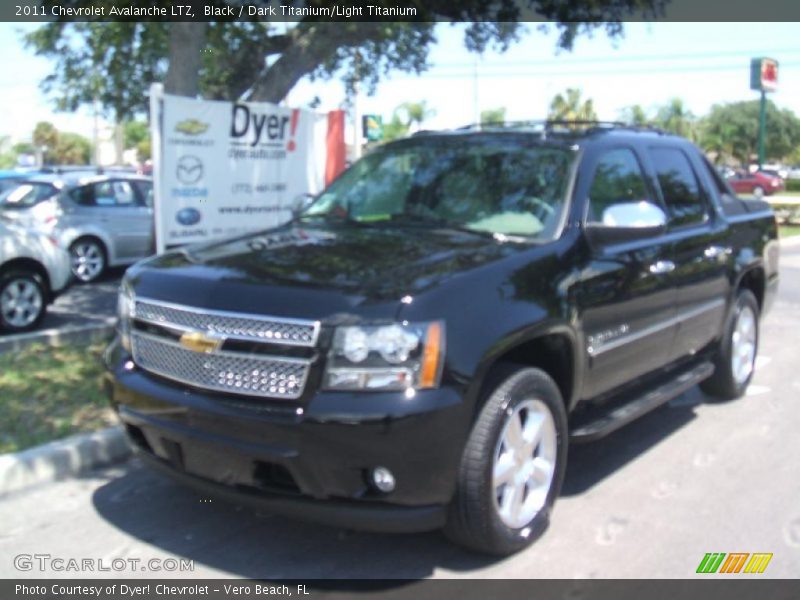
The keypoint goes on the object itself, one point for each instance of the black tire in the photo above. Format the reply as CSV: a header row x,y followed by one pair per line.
x,y
474,519
92,250
16,320
758,192
724,384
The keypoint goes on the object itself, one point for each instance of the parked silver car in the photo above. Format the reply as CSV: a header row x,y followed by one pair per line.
x,y
33,270
102,220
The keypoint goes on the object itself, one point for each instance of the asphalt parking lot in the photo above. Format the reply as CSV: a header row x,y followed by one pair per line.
x,y
84,304
649,501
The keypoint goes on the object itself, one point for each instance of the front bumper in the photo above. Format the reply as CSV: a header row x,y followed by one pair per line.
x,y
309,459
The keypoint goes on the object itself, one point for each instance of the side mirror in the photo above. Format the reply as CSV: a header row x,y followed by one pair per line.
x,y
300,203
626,222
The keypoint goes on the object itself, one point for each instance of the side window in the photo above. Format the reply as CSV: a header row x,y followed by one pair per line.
x,y
146,192
105,193
617,178
682,195
83,196
716,178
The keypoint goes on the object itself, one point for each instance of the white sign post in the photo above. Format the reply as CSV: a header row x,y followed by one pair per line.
x,y
224,168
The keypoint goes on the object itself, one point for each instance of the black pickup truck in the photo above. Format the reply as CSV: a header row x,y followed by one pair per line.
x,y
417,348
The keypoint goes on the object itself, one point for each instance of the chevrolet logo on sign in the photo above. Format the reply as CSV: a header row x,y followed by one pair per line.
x,y
197,341
191,127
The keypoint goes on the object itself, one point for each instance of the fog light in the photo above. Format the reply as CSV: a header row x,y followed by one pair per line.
x,y
383,479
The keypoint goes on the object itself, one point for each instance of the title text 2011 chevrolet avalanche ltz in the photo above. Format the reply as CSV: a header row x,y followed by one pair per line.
x,y
419,345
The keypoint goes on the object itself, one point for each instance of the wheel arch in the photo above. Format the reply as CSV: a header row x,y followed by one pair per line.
x,y
755,280
28,264
553,349
72,235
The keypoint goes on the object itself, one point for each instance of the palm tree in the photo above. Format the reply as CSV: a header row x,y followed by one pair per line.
x,y
570,107
415,114
635,115
676,118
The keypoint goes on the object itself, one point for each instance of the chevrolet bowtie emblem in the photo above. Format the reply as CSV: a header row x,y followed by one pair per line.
x,y
197,341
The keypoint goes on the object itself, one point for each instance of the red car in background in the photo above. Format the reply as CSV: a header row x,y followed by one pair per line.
x,y
758,183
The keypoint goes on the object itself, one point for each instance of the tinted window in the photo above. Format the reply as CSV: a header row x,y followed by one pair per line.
x,y
716,178
617,178
682,195
146,192
485,184
26,194
106,193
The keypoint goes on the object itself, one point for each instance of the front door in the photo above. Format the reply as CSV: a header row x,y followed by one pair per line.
x,y
627,294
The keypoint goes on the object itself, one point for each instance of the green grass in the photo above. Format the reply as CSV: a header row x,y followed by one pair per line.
x,y
49,393
789,230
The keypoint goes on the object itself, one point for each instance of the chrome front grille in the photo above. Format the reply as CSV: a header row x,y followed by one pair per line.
x,y
234,372
222,370
253,328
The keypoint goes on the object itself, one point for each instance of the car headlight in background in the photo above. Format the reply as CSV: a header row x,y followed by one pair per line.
x,y
125,314
386,357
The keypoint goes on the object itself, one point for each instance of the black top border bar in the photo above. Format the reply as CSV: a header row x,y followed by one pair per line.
x,y
282,11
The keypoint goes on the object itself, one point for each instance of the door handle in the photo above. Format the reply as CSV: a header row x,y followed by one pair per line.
x,y
661,267
717,252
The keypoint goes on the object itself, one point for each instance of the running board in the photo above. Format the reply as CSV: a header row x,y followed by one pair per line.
x,y
602,422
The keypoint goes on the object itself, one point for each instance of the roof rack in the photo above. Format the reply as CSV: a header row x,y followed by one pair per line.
x,y
560,126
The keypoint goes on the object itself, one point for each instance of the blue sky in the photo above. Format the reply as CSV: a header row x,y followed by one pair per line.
x,y
702,63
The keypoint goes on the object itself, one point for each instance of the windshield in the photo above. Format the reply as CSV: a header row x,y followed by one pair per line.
x,y
492,184
25,195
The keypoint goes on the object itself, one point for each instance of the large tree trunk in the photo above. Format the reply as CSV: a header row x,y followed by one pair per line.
x,y
186,42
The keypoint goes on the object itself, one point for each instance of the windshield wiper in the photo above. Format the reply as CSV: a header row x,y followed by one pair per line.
x,y
439,222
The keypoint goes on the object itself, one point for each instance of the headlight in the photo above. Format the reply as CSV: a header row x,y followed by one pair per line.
x,y
386,357
125,313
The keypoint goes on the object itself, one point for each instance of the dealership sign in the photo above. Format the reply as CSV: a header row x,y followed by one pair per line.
x,y
224,168
764,74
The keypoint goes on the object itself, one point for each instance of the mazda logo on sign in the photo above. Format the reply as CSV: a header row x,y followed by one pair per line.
x,y
189,169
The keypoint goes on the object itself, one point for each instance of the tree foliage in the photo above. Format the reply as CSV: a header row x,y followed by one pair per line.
x,y
111,64
114,63
731,131
59,148
635,115
676,118
571,107
407,117
72,149
493,115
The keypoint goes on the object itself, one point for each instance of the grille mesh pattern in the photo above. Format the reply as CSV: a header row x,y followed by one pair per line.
x,y
221,371
297,333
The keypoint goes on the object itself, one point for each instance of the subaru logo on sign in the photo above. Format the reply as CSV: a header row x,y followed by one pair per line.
x,y
188,216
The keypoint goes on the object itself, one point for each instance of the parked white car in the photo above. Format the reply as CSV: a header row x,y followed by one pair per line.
x,y
34,269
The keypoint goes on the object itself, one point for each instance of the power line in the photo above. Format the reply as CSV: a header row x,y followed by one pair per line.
x,y
592,72
639,58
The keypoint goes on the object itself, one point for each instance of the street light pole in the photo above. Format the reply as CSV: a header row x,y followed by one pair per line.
x,y
762,127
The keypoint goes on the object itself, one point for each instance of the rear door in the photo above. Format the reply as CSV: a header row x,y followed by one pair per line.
x,y
627,295
700,247
118,209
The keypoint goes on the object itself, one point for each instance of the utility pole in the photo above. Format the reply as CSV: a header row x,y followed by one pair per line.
x,y
476,111
762,129
356,110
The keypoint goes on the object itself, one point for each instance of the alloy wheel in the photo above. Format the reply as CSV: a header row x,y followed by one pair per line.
x,y
524,463
743,345
87,261
21,303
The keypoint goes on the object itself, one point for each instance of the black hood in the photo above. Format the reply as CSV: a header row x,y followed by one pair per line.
x,y
315,272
